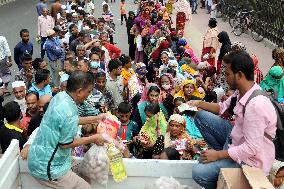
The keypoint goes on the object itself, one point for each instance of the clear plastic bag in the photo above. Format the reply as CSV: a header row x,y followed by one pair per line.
x,y
95,165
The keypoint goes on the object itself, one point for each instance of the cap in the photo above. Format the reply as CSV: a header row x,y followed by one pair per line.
x,y
50,32
64,77
18,84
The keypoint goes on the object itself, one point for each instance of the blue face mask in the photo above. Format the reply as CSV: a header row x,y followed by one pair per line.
x,y
95,64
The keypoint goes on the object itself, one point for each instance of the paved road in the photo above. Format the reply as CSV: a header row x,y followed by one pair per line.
x,y
22,14
198,27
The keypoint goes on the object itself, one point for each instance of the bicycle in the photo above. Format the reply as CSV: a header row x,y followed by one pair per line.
x,y
229,13
247,21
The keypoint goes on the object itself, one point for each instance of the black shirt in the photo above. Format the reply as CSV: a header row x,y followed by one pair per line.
x,y
6,136
34,123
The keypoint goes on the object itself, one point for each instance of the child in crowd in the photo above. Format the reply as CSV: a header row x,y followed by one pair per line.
x,y
123,11
177,102
128,128
170,153
152,132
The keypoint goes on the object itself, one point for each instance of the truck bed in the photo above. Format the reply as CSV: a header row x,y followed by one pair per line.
x,y
141,172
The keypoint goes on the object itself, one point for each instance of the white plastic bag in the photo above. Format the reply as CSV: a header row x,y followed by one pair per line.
x,y
95,165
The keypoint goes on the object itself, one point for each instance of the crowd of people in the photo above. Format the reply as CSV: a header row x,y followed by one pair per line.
x,y
171,104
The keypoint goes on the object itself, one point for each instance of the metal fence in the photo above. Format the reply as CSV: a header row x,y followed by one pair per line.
x,y
2,2
269,16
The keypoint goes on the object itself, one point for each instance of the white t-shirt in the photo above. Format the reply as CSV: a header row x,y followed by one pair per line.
x,y
213,11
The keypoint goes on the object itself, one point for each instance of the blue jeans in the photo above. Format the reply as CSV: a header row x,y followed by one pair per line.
x,y
194,4
216,132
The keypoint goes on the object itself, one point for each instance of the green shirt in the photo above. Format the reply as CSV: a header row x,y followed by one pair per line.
x,y
46,159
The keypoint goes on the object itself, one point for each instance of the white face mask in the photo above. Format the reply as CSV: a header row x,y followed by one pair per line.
x,y
166,86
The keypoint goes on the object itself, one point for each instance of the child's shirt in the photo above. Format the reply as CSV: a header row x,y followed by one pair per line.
x,y
107,16
122,8
128,131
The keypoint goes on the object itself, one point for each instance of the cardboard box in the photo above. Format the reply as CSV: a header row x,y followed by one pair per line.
x,y
243,178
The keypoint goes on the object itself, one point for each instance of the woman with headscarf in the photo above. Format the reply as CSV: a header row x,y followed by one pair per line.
x,y
221,79
179,77
150,94
210,43
130,35
183,13
178,137
137,81
167,85
225,41
165,57
164,45
278,56
189,91
276,175
274,81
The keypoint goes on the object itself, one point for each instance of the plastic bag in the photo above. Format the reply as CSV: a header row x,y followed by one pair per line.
x,y
95,165
110,125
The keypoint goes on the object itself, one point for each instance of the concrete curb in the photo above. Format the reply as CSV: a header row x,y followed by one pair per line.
x,y
3,2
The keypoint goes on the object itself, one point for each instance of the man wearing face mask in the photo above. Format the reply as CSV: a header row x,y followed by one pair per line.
x,y
55,54
19,90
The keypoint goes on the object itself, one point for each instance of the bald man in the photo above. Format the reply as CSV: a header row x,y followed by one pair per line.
x,y
36,119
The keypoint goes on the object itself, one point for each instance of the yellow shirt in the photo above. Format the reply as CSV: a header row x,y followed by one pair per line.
x,y
126,74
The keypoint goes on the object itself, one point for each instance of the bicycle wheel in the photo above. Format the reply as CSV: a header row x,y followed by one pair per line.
x,y
232,18
235,22
257,37
238,30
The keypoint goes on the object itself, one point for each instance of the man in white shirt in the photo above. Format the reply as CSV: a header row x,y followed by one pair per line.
x,y
5,62
115,82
